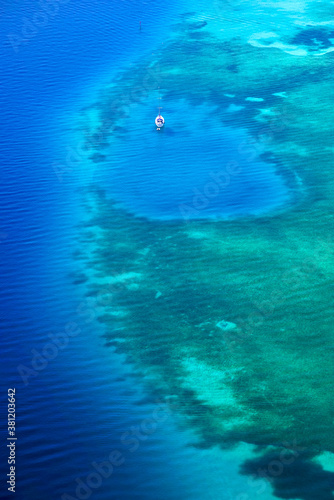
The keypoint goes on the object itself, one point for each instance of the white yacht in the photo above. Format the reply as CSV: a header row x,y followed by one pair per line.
x,y
159,121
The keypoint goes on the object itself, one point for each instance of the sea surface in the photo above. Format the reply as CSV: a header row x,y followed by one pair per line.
x,y
128,255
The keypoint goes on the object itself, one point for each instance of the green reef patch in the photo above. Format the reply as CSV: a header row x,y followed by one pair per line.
x,y
232,319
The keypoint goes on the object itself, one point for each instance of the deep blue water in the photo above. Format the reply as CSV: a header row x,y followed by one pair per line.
x,y
73,409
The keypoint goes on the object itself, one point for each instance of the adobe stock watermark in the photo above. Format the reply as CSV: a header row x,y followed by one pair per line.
x,y
287,456
130,442
284,457
219,181
264,308
87,310
30,27
119,107
248,150
76,155
50,350
293,280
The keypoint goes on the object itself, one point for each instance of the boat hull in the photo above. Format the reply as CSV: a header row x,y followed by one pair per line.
x,y
159,121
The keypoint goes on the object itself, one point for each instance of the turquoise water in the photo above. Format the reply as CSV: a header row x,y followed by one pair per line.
x,y
96,253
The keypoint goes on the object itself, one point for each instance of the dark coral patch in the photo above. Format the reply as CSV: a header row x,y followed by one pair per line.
x,y
314,38
292,474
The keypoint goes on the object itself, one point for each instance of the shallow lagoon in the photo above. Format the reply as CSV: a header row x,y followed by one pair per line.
x,y
194,168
